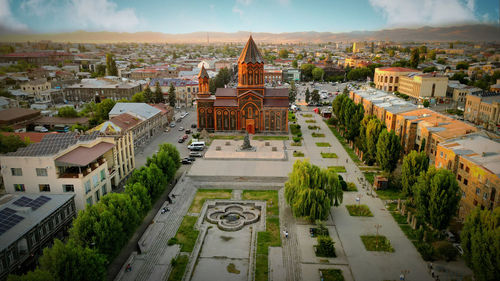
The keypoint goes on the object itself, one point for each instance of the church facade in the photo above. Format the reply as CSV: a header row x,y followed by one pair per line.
x,y
250,106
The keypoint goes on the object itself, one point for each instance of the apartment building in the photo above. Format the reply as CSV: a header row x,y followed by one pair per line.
x,y
458,92
424,86
89,89
30,223
70,163
185,89
475,160
388,78
483,109
158,71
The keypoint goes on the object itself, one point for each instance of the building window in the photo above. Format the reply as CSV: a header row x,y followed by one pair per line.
x,y
89,201
478,191
97,195
41,172
461,166
485,196
103,175
459,178
44,187
19,187
95,180
18,172
441,154
466,181
463,194
104,190
68,188
87,187
467,169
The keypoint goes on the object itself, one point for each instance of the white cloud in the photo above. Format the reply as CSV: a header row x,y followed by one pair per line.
x,y
426,12
38,7
244,2
7,19
238,11
102,14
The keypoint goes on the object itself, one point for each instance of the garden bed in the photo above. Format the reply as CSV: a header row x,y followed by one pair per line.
x,y
328,155
376,243
323,144
337,169
271,138
331,275
186,234
318,135
359,211
203,194
298,154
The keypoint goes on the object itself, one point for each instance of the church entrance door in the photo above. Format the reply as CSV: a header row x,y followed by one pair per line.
x,y
250,126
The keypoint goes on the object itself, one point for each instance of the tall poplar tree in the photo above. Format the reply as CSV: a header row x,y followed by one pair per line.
x,y
413,164
171,95
388,150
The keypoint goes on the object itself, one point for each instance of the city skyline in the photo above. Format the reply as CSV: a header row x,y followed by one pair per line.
x,y
53,16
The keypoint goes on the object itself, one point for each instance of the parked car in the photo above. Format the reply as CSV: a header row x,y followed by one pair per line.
x,y
192,159
188,131
181,128
195,154
196,148
172,124
185,137
185,161
181,140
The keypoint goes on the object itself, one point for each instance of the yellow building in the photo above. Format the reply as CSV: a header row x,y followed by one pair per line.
x,y
475,161
424,86
387,78
358,47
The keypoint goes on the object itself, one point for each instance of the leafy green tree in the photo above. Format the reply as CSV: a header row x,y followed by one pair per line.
x,y
462,65
426,103
391,53
325,247
140,96
315,97
413,164
352,119
72,262
222,78
295,64
356,74
103,109
307,71
422,49
111,65
121,207
157,95
67,111
337,106
388,150
432,55
171,95
373,130
211,85
140,197
318,74
401,63
283,53
308,95
441,61
481,243
414,58
37,275
429,69
11,143
312,191
292,92
436,197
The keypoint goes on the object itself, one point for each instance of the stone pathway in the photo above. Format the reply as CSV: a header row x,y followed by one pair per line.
x,y
290,245
154,263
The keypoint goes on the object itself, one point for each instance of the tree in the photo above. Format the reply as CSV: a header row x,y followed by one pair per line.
x,y
441,61
295,64
432,55
462,65
72,262
306,70
171,95
103,109
479,238
11,143
140,197
111,65
37,275
139,97
353,122
211,85
429,69
292,92
422,49
426,103
414,164
391,53
67,111
325,247
318,74
312,191
157,95
283,53
308,95
436,197
315,97
388,150
373,129
414,58
357,74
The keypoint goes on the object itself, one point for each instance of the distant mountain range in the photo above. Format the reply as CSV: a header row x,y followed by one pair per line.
x,y
479,32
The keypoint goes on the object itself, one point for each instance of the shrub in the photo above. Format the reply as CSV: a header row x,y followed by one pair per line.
x,y
425,250
299,135
445,250
325,247
296,139
172,241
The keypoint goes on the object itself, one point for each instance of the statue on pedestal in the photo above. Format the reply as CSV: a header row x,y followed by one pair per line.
x,y
246,143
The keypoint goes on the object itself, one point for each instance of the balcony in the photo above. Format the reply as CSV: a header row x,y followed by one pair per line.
x,y
76,172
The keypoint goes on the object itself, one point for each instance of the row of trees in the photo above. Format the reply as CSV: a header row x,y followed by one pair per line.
x,y
311,191
311,73
101,230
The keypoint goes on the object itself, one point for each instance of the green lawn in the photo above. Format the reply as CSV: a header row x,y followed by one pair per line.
x,y
342,141
178,268
359,210
328,155
298,154
310,121
296,144
370,177
186,234
226,137
307,115
337,169
351,186
269,238
323,144
378,243
271,138
203,194
295,129
332,275
390,194
318,135
312,127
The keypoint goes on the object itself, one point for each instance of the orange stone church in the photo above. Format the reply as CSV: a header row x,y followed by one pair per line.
x,y
249,107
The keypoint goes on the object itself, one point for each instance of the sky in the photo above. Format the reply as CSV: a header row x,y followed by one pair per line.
x,y
184,16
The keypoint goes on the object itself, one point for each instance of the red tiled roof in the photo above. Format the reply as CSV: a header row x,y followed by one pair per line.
x,y
225,102
31,136
125,121
398,69
225,92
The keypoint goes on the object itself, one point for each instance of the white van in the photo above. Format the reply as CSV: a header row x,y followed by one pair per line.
x,y
41,129
197,145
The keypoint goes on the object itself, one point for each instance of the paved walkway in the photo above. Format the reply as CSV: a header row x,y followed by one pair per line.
x,y
365,265
154,263
290,245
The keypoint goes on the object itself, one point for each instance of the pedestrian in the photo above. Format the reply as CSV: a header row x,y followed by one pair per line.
x,y
432,273
169,200
286,233
401,277
173,195
128,268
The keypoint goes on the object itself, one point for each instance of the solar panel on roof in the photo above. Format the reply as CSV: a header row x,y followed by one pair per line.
x,y
23,201
6,212
8,219
37,203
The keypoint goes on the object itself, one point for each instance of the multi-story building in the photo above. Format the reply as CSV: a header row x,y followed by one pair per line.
x,y
358,47
30,223
273,75
18,118
387,78
185,89
143,120
458,92
475,160
158,71
36,86
422,86
88,89
50,58
483,109
291,75
355,62
83,165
